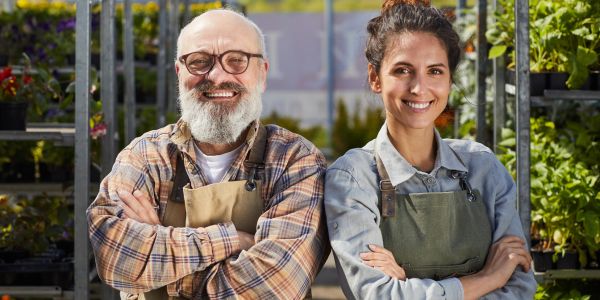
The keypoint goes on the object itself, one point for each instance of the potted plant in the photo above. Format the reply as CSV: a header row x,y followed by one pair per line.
x,y
564,37
565,214
25,94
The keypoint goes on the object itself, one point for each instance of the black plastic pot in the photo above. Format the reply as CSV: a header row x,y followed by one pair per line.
x,y
542,260
13,115
569,261
553,81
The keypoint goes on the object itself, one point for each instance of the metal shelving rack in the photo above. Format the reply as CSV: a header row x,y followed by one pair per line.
x,y
523,104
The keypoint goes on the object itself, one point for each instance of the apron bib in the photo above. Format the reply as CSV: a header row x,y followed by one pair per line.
x,y
435,235
239,202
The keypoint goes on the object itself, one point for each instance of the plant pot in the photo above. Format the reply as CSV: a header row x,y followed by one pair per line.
x,y
537,82
569,261
13,115
542,260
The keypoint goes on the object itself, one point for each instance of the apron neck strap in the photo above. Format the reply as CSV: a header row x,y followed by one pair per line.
x,y
388,192
256,157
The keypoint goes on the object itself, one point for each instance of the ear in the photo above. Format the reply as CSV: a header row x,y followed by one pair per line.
x,y
264,72
177,68
374,80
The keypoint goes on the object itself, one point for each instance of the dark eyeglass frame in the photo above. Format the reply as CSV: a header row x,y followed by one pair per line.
x,y
218,57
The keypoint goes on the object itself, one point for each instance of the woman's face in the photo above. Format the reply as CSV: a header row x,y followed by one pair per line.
x,y
414,80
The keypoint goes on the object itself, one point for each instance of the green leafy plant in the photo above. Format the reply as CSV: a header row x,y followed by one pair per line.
x,y
565,196
33,224
564,37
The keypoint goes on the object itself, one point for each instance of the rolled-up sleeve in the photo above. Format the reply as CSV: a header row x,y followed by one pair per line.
x,y
353,224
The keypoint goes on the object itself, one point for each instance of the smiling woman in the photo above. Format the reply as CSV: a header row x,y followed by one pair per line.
x,y
410,214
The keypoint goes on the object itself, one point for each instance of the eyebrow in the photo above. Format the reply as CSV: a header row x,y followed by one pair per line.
x,y
403,63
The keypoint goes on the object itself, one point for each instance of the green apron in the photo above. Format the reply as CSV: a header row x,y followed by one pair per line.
x,y
435,235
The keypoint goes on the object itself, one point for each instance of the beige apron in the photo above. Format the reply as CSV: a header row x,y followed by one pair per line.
x,y
239,202
435,235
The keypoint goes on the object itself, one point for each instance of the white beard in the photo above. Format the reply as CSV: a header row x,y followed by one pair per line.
x,y
214,123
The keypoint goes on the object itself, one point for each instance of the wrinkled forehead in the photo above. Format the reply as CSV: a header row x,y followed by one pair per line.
x,y
218,31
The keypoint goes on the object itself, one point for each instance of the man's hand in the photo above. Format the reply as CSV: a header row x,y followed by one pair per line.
x,y
139,207
246,240
383,260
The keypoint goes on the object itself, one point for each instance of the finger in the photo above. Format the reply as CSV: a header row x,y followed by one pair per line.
x,y
382,250
129,213
373,256
132,202
148,204
511,239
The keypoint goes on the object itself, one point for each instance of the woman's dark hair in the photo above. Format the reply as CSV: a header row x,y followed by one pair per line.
x,y
400,16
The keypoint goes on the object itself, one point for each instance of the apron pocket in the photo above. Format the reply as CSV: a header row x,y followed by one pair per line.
x,y
470,266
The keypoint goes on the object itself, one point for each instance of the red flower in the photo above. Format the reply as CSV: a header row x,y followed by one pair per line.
x,y
27,79
5,73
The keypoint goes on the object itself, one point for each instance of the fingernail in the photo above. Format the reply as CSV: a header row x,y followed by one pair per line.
x,y
363,255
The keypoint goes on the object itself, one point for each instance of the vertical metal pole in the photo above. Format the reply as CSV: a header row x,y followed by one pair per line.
x,y
82,148
161,65
481,71
186,12
330,70
460,6
129,72
107,82
499,93
171,53
523,112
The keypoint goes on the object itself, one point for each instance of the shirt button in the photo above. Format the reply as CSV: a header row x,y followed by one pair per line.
x,y
335,225
430,181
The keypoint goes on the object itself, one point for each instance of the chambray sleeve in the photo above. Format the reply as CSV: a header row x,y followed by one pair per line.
x,y
353,224
135,257
290,241
521,285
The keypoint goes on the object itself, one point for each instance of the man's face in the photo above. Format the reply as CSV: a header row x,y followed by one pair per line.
x,y
218,105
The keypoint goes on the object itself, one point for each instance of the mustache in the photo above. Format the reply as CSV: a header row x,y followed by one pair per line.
x,y
208,85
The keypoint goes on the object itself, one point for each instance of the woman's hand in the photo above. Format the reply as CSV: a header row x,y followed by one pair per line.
x,y
383,260
139,207
503,258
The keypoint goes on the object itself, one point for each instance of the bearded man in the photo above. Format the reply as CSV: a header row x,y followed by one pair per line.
x,y
216,205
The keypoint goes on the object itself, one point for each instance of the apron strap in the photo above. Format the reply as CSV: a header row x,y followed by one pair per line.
x,y
388,192
256,157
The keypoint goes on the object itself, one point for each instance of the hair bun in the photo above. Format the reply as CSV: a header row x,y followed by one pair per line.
x,y
388,4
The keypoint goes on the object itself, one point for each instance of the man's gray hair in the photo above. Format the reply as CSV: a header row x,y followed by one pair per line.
x,y
259,33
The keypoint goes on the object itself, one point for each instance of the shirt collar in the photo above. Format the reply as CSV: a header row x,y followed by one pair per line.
x,y
400,170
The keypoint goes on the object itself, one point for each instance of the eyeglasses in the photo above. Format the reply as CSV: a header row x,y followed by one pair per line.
x,y
233,61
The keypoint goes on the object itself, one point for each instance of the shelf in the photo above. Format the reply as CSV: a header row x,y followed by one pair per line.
x,y
60,134
552,275
48,188
579,95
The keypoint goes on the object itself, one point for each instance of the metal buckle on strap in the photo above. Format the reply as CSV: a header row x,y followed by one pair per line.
x,y
464,184
388,195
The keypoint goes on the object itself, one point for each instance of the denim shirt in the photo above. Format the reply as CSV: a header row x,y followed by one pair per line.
x,y
353,217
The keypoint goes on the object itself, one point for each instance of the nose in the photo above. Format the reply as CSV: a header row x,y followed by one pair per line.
x,y
217,74
417,84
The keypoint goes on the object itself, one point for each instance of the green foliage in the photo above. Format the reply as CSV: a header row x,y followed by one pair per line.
x,y
33,224
316,134
356,130
565,193
567,290
564,37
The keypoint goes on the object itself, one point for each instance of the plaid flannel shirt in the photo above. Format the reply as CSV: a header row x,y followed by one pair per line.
x,y
290,240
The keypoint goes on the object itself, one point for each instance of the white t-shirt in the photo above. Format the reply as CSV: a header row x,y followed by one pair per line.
x,y
214,167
